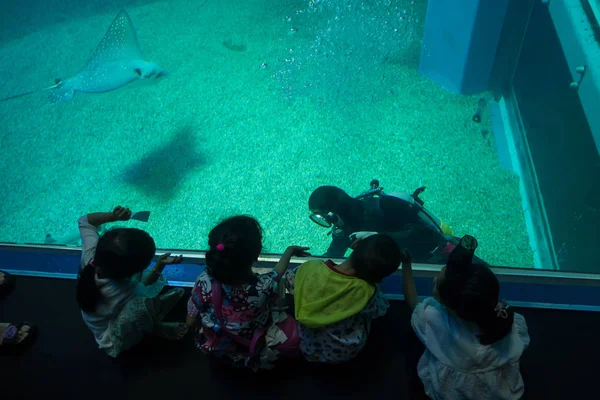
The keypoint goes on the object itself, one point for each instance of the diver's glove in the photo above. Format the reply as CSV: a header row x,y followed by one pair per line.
x,y
358,236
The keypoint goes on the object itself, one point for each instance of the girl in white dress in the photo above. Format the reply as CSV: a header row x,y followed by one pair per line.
x,y
473,340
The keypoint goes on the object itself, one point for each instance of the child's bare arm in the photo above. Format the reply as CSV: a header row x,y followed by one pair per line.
x,y
160,265
118,214
284,261
410,291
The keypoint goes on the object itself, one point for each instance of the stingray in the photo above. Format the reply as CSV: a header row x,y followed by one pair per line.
x,y
116,62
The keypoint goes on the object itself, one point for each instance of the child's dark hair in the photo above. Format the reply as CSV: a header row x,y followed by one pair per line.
x,y
234,245
375,258
472,291
120,253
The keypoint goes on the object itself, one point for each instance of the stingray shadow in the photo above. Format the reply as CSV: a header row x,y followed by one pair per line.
x,y
159,173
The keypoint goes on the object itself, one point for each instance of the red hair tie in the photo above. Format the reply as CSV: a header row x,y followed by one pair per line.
x,y
220,247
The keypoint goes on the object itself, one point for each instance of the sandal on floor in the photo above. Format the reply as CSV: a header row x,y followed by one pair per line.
x,y
8,285
10,338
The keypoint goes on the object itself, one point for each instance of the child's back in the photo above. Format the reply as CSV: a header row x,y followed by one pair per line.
x,y
232,304
335,305
473,341
245,308
457,366
118,304
334,311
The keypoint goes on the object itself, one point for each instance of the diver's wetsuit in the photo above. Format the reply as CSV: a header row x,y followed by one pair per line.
x,y
402,221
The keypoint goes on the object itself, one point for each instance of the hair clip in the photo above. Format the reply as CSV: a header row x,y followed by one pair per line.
x,y
220,247
501,308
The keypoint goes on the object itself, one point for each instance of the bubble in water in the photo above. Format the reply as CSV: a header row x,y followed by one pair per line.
x,y
345,36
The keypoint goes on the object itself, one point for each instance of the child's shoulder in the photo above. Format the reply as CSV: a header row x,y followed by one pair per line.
x,y
203,279
520,327
307,266
431,304
429,309
310,264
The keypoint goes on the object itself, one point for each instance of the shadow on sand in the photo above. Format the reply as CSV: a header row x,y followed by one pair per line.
x,y
160,172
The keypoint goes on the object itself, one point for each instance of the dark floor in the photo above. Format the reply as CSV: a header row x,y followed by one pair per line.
x,y
561,362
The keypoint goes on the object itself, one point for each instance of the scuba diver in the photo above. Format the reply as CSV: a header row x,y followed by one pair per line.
x,y
399,215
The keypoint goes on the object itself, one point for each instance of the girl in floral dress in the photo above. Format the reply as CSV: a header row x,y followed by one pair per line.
x,y
246,298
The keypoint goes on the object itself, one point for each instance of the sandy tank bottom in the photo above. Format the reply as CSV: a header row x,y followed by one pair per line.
x,y
250,129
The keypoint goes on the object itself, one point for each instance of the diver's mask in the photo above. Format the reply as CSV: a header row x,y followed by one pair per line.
x,y
327,220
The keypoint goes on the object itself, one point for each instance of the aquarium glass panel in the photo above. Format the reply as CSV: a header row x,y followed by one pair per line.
x,y
199,110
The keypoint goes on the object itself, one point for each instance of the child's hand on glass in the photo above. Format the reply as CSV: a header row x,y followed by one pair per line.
x,y
121,213
405,257
166,259
298,251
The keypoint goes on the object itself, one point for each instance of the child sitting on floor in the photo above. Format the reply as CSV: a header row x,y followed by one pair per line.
x,y
118,304
334,304
473,341
231,302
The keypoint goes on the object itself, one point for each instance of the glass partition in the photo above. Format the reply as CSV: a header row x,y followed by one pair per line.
x,y
259,104
555,89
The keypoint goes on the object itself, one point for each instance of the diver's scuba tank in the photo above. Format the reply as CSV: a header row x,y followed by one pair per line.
x,y
371,199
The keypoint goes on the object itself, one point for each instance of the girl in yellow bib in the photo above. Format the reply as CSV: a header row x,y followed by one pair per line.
x,y
335,304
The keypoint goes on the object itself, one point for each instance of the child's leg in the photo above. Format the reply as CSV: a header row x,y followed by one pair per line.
x,y
167,301
128,328
143,316
162,305
159,308
171,330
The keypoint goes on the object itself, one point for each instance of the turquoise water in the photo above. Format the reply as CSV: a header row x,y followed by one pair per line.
x,y
264,102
